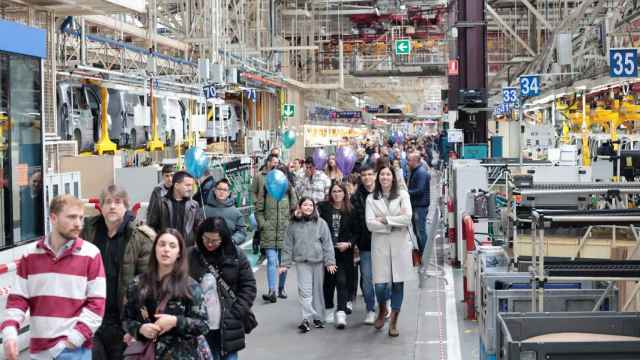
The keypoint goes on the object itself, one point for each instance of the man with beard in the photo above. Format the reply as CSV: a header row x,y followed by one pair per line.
x,y
61,282
125,251
177,210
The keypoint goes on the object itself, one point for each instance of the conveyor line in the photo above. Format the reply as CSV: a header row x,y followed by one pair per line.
x,y
579,188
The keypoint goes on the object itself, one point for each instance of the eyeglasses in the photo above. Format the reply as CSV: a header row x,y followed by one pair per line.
x,y
222,189
210,240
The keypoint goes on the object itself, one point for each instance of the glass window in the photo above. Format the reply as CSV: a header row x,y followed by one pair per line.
x,y
22,201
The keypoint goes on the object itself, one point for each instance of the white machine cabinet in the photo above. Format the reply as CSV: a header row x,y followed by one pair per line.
x,y
468,175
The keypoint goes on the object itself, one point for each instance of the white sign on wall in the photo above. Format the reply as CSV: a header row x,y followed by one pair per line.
x,y
455,135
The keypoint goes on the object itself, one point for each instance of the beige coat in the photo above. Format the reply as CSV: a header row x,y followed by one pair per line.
x,y
390,244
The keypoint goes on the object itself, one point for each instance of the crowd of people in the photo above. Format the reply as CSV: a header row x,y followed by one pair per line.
x,y
177,286
330,225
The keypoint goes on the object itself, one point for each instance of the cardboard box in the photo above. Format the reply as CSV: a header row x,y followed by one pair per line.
x,y
96,171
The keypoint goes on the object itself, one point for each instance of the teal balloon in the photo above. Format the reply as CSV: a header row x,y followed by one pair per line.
x,y
288,138
196,162
277,184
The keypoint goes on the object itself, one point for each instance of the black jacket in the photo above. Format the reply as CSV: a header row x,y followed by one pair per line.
x,y
162,217
326,211
360,232
236,271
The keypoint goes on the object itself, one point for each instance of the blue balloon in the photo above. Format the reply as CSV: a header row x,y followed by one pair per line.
x,y
277,184
196,162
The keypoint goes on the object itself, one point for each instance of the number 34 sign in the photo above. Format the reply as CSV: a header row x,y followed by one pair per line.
x,y
623,62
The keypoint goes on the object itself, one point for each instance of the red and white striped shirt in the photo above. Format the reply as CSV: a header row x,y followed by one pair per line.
x,y
65,295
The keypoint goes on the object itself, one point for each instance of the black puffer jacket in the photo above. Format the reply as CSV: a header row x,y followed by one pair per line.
x,y
359,230
236,271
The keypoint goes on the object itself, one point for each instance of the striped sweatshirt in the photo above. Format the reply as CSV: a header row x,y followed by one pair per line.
x,y
65,296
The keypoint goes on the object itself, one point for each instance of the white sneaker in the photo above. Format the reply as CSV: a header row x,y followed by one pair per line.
x,y
349,307
341,319
330,317
371,318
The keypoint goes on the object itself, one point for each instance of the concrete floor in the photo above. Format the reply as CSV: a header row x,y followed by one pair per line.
x,y
431,322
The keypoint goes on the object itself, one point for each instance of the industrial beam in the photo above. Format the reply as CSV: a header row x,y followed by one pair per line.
x,y
297,12
141,33
329,86
511,32
537,14
290,48
347,12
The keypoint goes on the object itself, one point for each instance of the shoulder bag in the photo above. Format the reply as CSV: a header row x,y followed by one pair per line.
x,y
144,349
249,321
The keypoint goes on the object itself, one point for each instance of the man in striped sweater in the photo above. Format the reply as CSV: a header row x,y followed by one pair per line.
x,y
61,281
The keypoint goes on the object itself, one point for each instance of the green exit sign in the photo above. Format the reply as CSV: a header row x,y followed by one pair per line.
x,y
289,110
403,47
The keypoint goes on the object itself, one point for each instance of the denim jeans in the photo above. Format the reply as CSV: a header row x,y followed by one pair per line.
x,y
397,293
229,356
77,354
420,226
366,280
273,260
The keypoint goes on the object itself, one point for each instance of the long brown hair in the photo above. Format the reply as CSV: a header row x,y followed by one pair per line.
x,y
346,202
174,285
377,192
332,170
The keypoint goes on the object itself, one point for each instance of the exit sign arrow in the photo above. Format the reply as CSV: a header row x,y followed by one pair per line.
x,y
403,47
289,110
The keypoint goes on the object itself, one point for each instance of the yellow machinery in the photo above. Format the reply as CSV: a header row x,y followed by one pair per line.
x,y
154,143
565,139
104,144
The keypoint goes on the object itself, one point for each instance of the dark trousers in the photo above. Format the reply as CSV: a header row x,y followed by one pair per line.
x,y
341,281
107,341
354,283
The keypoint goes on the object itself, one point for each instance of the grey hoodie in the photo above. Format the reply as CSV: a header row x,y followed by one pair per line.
x,y
308,241
231,215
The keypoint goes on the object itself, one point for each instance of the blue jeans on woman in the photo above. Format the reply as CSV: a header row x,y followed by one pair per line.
x,y
273,260
76,354
397,293
366,280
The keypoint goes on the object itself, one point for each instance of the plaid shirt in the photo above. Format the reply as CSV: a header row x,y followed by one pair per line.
x,y
316,187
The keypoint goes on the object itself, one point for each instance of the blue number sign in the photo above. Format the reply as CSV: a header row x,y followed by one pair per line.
x,y
623,62
209,91
509,95
530,85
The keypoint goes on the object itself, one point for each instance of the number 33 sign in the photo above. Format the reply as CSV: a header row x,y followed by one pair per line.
x,y
623,62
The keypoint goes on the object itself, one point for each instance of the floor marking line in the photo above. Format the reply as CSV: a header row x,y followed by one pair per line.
x,y
453,333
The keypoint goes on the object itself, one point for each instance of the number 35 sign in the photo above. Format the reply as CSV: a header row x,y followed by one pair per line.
x,y
623,62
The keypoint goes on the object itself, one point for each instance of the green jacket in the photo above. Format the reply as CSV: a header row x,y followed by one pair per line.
x,y
138,244
272,216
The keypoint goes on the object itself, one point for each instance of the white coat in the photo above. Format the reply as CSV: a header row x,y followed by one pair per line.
x,y
391,244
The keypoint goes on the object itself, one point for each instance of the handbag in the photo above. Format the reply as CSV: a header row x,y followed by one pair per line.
x,y
416,256
144,350
249,321
140,350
